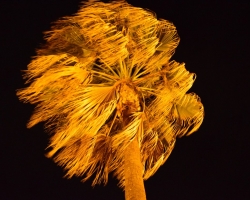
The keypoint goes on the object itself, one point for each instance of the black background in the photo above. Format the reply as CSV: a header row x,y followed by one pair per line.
x,y
212,163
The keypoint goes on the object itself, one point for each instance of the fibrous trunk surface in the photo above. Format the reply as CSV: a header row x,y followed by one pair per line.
x,y
134,186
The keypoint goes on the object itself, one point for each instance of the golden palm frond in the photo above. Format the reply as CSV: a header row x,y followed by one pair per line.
x,y
104,78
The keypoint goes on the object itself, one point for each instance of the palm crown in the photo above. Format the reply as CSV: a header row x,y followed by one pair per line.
x,y
103,78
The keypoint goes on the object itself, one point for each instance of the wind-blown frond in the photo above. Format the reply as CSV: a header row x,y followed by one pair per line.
x,y
104,79
188,113
78,134
168,37
86,114
179,79
40,64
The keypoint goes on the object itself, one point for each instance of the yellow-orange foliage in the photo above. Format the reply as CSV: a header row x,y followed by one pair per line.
x,y
107,58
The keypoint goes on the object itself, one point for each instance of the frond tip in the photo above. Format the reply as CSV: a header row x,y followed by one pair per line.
x,y
103,78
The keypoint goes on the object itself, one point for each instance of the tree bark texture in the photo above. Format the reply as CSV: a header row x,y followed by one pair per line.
x,y
133,171
134,185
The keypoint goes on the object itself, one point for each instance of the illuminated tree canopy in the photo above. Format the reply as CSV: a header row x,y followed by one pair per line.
x,y
104,78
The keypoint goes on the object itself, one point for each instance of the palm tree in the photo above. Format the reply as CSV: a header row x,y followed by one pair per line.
x,y
111,98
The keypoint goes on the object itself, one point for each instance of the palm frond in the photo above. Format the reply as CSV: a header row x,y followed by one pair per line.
x,y
179,79
168,37
188,113
40,64
79,125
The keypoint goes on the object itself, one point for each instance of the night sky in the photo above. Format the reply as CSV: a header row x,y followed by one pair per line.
x,y
212,163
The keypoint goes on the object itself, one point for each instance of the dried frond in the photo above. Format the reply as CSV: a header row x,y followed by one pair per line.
x,y
104,78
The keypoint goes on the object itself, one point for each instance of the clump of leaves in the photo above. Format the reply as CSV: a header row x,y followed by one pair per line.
x,y
103,78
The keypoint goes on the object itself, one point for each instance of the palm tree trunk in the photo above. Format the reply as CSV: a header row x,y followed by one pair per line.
x,y
134,185
133,171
